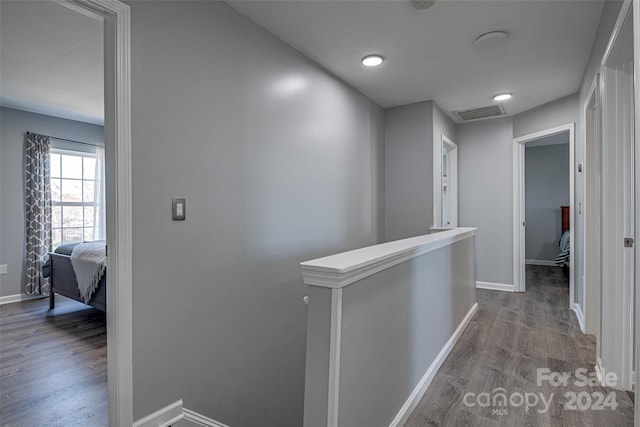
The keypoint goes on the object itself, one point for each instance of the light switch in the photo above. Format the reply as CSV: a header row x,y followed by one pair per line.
x,y
178,209
3,268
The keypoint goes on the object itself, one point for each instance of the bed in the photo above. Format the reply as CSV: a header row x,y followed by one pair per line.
x,y
563,259
63,281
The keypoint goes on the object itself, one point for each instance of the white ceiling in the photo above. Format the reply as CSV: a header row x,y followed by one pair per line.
x,y
51,61
430,54
52,58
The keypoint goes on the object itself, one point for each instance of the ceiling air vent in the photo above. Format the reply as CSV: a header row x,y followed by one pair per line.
x,y
480,113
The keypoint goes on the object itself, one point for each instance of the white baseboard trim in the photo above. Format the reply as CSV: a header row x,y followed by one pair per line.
x,y
163,417
201,420
599,370
578,311
19,297
540,262
504,287
421,388
174,412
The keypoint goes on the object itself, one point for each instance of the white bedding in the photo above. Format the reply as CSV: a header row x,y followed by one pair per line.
x,y
89,264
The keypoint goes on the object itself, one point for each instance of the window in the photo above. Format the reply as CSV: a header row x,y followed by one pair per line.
x,y
74,197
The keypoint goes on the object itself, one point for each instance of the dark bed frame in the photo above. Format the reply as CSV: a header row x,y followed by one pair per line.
x,y
63,281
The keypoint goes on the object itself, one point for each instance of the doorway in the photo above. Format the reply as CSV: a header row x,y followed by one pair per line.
x,y
445,183
519,205
449,183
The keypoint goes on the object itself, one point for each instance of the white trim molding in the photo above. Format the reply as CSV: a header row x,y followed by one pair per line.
x,y
174,412
422,386
438,148
163,417
636,68
503,287
542,262
9,299
201,420
518,224
340,270
578,311
599,368
116,17
335,345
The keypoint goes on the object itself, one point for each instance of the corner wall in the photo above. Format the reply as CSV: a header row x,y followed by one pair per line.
x,y
279,162
486,194
413,139
13,125
408,170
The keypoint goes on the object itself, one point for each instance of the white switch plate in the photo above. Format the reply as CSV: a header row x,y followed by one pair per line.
x,y
3,268
178,209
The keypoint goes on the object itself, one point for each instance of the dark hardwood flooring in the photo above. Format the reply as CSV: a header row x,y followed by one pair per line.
x,y
511,336
53,364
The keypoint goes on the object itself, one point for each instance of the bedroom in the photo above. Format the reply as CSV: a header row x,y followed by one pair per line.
x,y
52,86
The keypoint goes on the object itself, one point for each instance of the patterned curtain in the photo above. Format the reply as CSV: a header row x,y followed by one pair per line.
x,y
38,211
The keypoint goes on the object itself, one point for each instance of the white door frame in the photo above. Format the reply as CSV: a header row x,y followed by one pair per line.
x,y
452,181
592,218
519,268
636,65
438,149
117,132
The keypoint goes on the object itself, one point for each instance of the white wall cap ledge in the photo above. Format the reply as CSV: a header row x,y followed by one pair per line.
x,y
340,270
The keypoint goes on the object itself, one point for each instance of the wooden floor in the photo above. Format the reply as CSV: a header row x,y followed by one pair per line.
x,y
53,365
511,336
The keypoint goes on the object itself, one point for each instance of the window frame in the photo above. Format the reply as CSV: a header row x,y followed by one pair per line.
x,y
82,153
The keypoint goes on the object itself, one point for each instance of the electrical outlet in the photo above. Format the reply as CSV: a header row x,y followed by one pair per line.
x,y
3,268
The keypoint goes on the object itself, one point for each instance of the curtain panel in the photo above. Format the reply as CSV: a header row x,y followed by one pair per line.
x,y
38,210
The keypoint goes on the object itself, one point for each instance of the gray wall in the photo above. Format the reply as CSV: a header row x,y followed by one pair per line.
x,y
408,170
280,162
546,188
486,194
410,134
442,124
556,113
13,125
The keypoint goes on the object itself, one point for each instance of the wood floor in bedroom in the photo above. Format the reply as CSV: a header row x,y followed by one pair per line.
x,y
53,364
511,336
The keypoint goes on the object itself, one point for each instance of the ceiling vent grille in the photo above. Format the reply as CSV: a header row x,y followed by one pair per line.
x,y
480,113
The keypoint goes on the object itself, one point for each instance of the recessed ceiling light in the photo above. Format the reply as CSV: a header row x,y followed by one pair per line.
x,y
502,97
372,60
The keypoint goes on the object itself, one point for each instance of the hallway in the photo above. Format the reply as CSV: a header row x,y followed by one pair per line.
x,y
511,336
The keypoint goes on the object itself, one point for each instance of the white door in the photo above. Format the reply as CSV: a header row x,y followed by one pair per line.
x,y
616,350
